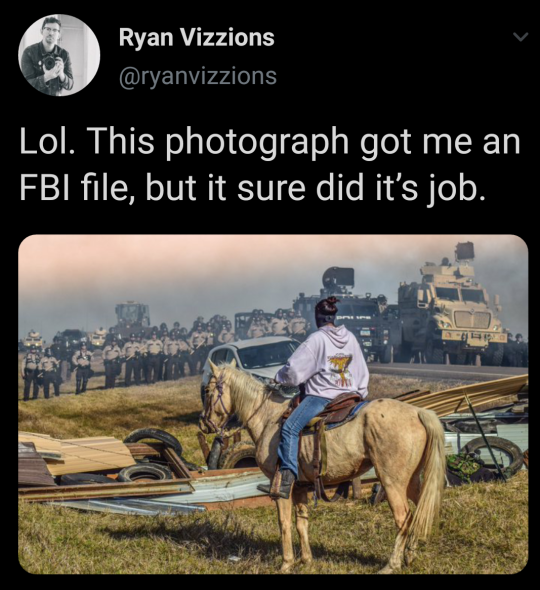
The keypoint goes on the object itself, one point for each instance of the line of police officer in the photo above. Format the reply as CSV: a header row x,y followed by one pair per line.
x,y
292,324
45,371
516,352
162,357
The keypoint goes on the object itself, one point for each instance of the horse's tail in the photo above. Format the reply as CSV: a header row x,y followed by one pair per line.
x,y
430,501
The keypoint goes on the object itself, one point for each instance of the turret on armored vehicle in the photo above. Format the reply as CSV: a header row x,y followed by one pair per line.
x,y
374,322
448,318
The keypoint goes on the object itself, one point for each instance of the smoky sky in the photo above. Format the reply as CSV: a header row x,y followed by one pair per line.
x,y
76,281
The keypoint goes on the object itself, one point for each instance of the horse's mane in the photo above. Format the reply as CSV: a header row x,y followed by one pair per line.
x,y
250,389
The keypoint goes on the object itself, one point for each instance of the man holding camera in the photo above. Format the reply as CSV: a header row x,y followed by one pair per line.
x,y
46,65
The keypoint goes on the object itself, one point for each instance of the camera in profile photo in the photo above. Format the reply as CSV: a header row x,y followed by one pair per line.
x,y
59,55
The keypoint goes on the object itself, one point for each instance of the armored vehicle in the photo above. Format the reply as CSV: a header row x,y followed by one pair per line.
x,y
97,338
33,339
374,322
132,317
73,338
448,318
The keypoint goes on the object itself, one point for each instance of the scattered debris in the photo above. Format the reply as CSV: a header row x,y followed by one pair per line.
x,y
147,507
80,455
453,400
32,467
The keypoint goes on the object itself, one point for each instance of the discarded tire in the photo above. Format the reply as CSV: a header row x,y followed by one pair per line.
x,y
241,454
145,471
511,450
156,434
215,453
434,354
81,479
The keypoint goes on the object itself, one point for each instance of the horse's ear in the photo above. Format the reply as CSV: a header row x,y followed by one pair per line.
x,y
233,363
214,368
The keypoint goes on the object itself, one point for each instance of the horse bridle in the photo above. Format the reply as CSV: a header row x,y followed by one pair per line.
x,y
206,416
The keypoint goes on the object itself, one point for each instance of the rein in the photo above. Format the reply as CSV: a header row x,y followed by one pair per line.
x,y
219,398
206,417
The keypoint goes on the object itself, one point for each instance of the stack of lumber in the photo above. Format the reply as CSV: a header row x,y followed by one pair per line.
x,y
81,455
45,445
451,401
32,467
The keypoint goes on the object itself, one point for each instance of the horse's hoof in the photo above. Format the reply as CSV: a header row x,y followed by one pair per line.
x,y
409,558
306,560
286,567
386,570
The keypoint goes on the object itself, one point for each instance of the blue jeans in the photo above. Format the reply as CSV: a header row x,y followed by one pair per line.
x,y
290,432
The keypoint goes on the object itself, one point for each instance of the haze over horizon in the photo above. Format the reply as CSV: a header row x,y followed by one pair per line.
x,y
68,281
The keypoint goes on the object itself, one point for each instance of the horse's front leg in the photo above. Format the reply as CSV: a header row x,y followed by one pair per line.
x,y
284,514
300,499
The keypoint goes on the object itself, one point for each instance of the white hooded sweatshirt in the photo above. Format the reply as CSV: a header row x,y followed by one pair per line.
x,y
329,362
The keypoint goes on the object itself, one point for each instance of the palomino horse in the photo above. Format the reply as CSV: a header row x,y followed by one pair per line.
x,y
399,440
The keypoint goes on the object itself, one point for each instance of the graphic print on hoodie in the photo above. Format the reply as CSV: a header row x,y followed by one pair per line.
x,y
340,374
330,362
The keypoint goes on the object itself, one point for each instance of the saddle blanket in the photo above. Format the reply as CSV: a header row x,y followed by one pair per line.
x,y
309,428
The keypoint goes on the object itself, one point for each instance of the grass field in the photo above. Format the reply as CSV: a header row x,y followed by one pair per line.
x,y
483,527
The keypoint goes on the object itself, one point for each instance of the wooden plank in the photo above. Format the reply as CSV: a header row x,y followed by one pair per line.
x,y
32,469
47,494
42,442
92,454
218,472
175,462
143,449
453,400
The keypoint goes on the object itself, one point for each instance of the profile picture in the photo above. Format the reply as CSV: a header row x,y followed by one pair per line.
x,y
59,55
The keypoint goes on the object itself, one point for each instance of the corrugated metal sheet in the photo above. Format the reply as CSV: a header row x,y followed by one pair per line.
x,y
517,433
147,507
224,488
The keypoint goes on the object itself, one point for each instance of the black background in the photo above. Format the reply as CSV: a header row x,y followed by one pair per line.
x,y
434,74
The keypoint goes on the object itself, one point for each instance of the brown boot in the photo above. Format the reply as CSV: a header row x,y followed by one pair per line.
x,y
285,485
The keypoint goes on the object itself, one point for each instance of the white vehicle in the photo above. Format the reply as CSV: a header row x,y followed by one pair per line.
x,y
260,357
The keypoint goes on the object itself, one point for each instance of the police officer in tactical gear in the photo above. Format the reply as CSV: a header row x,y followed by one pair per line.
x,y
163,360
112,362
278,325
154,348
82,360
29,372
132,354
172,350
521,355
184,351
198,342
226,335
298,327
48,369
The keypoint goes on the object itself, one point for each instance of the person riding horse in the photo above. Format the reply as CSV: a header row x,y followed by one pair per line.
x,y
330,363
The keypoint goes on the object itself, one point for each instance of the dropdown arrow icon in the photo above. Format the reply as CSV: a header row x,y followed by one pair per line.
x,y
520,38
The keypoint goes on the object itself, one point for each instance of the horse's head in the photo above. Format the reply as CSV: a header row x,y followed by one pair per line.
x,y
217,411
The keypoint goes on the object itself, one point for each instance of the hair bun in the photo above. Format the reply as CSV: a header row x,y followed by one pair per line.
x,y
327,306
